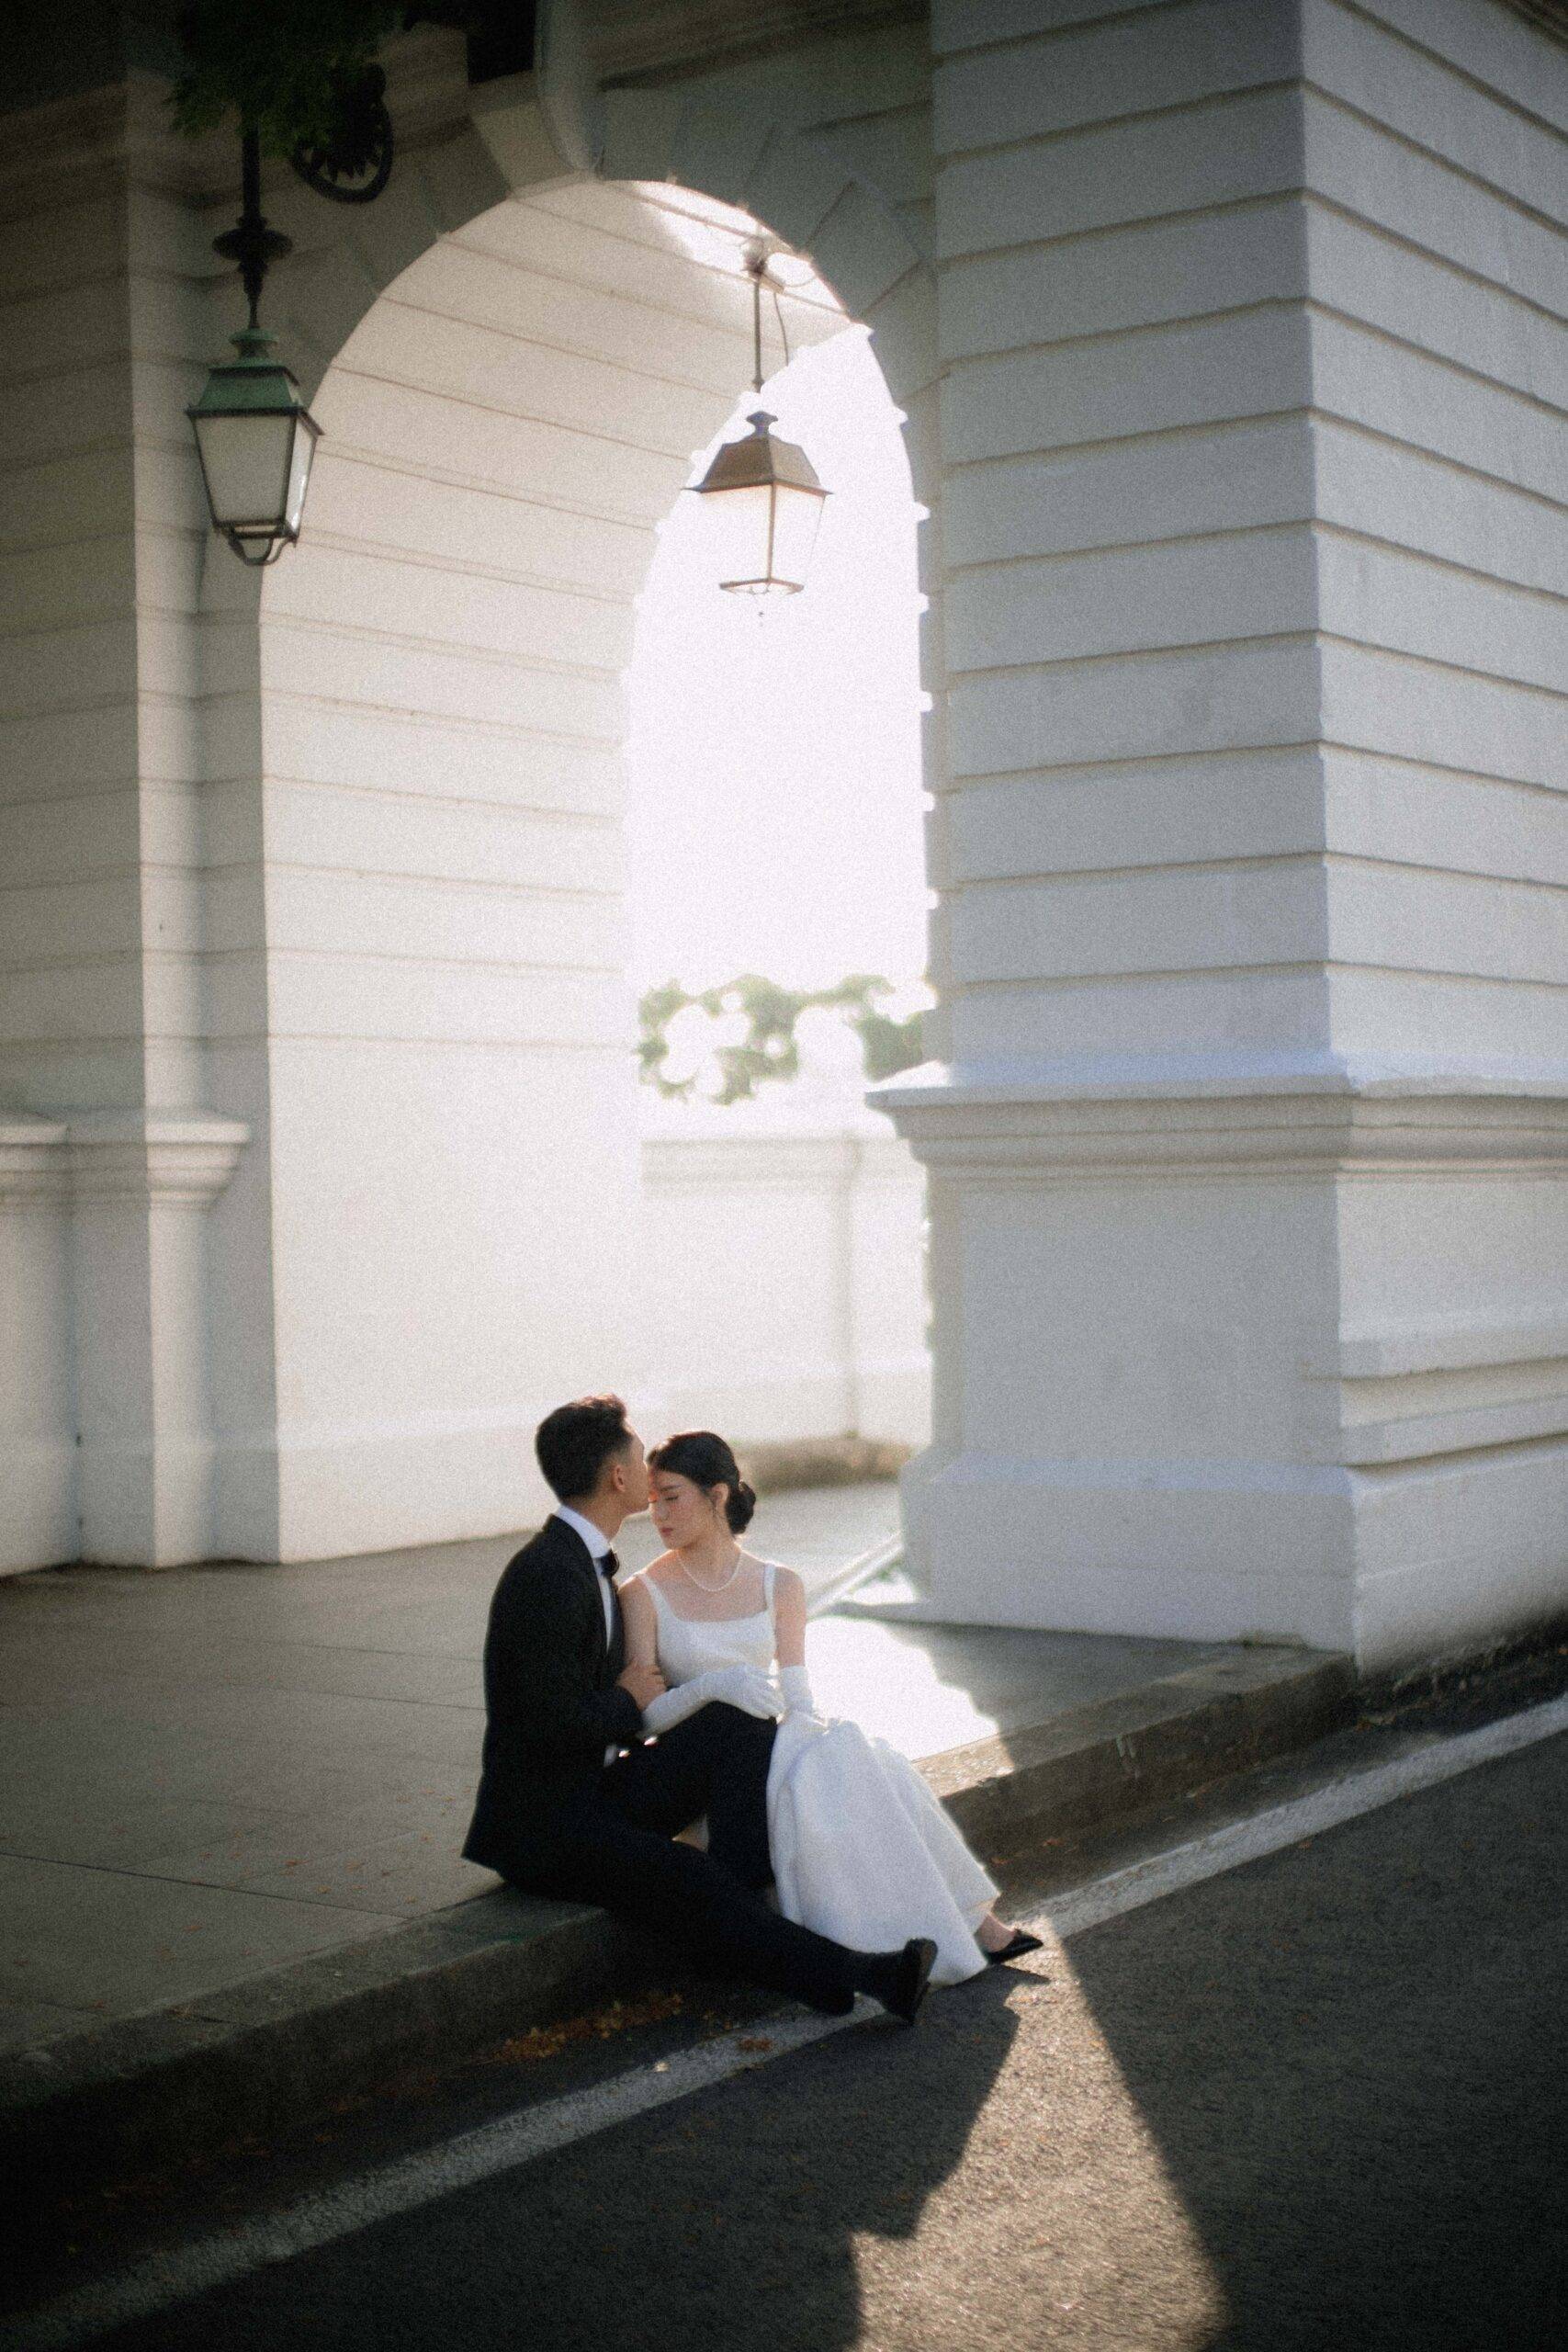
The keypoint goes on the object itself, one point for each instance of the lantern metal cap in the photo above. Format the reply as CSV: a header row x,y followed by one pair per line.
x,y
759,461
255,384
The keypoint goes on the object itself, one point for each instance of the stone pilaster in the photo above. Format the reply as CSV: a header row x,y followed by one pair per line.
x,y
1249,1235
141,1185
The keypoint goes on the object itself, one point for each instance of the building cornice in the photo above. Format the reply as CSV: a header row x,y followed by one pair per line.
x,y
1307,1115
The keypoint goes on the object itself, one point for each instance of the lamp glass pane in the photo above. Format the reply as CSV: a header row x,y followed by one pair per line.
x,y
298,475
796,513
246,461
735,533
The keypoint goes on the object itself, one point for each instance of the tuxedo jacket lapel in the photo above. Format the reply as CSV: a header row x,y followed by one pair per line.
x,y
616,1659
611,1652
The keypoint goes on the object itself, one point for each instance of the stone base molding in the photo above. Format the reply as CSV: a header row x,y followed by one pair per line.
x,y
1286,1359
174,1159
106,1406
37,1438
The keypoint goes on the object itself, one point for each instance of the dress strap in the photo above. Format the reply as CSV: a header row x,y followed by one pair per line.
x,y
768,1575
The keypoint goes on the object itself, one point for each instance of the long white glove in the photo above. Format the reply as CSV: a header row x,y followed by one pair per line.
x,y
796,1684
737,1686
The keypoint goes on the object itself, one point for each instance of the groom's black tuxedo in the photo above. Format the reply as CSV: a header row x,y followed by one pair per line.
x,y
552,1702
555,1819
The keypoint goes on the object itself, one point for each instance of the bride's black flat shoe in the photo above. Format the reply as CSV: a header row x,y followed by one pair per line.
x,y
1017,1945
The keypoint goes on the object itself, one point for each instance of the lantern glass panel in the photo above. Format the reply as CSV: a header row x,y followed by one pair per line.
x,y
299,473
797,515
735,533
247,461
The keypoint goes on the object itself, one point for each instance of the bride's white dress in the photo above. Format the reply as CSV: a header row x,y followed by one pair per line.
x,y
862,1849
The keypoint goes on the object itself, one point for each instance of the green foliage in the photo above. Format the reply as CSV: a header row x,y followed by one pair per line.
x,y
768,1049
282,66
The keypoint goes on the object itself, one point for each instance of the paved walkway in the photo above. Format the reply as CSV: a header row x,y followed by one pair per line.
x,y
212,1773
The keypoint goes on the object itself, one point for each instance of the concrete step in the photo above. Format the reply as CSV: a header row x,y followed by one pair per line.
x,y
274,2051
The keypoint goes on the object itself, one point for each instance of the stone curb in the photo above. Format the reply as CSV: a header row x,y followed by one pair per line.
x,y
283,2048
1100,1764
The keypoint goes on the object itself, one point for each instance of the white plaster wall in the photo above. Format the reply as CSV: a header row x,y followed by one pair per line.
x,y
37,1414
1130,845
1436,220
101,1013
71,1019
783,1275
1437,216
1131,833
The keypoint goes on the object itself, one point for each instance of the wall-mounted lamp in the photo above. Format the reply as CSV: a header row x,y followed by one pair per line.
x,y
254,435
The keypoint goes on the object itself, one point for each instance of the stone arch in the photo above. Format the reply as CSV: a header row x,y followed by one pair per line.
x,y
354,1135
763,155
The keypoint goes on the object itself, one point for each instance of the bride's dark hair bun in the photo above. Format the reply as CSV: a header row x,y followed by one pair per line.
x,y
704,1457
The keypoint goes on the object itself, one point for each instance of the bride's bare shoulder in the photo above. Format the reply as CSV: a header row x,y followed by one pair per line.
x,y
657,1571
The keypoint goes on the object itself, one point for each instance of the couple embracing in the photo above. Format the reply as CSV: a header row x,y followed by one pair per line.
x,y
618,1718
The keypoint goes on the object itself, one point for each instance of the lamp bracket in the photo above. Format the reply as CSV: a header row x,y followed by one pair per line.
x,y
250,243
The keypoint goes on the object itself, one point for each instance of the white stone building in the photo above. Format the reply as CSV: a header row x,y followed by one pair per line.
x,y
1231,336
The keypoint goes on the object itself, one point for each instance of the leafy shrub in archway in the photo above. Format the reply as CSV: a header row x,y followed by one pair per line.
x,y
767,1048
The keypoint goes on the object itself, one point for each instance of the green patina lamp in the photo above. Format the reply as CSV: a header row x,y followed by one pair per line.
x,y
762,499
253,434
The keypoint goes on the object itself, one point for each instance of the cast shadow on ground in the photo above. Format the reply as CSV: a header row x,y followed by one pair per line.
x,y
1351,2057
724,2223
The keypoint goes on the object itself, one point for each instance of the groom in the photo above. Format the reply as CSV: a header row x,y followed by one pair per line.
x,y
575,1801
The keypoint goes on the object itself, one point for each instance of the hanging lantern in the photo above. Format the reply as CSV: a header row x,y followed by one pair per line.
x,y
255,438
253,434
764,503
762,499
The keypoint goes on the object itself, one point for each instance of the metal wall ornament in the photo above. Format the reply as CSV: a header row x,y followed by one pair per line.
x,y
762,499
253,434
354,164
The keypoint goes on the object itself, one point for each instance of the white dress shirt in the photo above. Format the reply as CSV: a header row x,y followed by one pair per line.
x,y
598,1544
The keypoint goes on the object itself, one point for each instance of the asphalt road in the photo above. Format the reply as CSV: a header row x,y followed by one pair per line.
x,y
1317,2101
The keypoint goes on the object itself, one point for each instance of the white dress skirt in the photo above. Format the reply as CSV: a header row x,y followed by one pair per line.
x,y
861,1850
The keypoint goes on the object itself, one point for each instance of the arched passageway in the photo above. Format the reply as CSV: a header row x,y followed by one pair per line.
x,y
449,1190
776,837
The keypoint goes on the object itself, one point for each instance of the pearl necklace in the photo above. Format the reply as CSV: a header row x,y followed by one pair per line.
x,y
729,1581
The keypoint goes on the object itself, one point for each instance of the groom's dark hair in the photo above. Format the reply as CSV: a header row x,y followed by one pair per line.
x,y
574,1443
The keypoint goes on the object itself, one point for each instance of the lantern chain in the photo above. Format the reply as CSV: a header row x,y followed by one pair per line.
x,y
761,277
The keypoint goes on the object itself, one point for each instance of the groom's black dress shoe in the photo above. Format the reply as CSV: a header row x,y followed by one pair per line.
x,y
1017,1944
904,1995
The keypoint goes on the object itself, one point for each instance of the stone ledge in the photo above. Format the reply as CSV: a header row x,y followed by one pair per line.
x,y
271,2052
1106,1761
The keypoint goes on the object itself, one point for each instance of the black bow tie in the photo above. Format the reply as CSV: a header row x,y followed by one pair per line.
x,y
608,1563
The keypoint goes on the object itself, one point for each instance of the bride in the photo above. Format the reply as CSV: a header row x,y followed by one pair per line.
x,y
861,1850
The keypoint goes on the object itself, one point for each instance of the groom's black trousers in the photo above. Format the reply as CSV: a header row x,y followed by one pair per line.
x,y
612,1842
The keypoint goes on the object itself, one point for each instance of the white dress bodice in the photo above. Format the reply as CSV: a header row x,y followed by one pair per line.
x,y
692,1646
